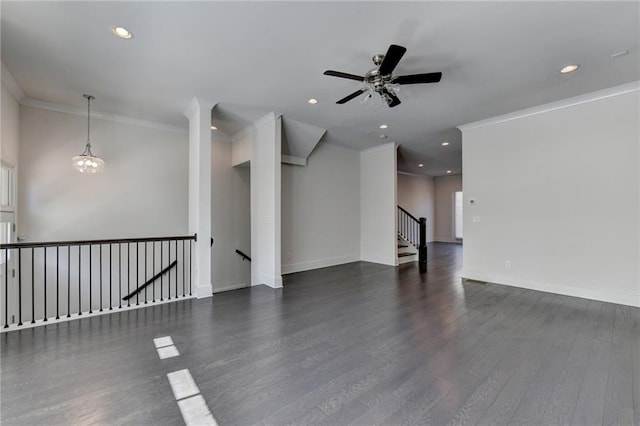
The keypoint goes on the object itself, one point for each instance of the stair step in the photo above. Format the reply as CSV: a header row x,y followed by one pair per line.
x,y
402,245
405,254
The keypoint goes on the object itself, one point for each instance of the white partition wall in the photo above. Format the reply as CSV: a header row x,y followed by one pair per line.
x,y
555,194
378,200
260,145
199,115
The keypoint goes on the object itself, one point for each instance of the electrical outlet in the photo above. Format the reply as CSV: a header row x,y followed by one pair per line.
x,y
476,219
507,264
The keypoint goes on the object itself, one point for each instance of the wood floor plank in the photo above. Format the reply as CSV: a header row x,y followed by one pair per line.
x,y
358,344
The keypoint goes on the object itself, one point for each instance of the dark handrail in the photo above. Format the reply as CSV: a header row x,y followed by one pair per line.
x,y
244,256
408,214
155,277
193,237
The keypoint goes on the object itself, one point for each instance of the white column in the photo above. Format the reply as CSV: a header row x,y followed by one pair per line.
x,y
199,115
378,200
266,151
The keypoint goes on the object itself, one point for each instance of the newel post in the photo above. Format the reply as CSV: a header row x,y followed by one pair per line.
x,y
422,249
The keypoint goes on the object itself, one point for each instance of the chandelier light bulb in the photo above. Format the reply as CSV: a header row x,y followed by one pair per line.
x,y
87,162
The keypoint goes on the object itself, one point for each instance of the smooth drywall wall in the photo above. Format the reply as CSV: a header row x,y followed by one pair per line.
x,y
230,219
416,194
378,228
445,188
321,210
557,198
10,128
141,193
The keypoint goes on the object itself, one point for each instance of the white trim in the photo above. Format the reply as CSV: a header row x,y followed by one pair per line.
x,y
203,291
316,264
333,145
408,259
254,126
416,175
609,296
271,280
11,84
295,161
229,287
380,147
53,320
34,103
564,103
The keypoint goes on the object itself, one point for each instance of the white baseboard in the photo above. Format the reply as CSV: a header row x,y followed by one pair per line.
x,y
228,287
620,298
446,240
316,264
271,280
202,291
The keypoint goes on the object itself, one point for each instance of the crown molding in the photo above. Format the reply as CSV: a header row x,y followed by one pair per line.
x,y
270,117
416,175
34,103
11,84
295,161
390,145
553,106
196,104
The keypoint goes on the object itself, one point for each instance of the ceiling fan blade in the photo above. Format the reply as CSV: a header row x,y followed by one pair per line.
x,y
392,100
391,59
351,96
343,75
432,77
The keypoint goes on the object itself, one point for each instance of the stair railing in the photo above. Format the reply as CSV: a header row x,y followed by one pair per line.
x,y
244,256
413,230
47,281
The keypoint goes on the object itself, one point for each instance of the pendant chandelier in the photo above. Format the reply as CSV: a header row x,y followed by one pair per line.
x,y
87,162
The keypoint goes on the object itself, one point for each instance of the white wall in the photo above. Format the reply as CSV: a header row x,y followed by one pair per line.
x,y
230,219
445,189
321,210
558,196
141,193
416,194
378,201
10,128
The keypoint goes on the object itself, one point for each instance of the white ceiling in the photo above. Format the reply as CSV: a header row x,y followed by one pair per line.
x,y
256,57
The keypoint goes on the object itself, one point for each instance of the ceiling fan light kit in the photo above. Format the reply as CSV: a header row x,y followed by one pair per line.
x,y
381,80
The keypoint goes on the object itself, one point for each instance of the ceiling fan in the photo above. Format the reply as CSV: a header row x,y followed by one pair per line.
x,y
380,79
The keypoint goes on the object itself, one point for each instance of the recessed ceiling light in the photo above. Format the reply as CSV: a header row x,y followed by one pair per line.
x,y
621,53
448,171
569,68
312,101
445,143
384,126
121,32
214,128
420,165
383,136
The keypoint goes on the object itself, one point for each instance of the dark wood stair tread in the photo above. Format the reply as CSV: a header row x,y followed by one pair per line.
x,y
402,245
405,254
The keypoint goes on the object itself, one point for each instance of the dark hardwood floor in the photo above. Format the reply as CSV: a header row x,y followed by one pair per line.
x,y
353,344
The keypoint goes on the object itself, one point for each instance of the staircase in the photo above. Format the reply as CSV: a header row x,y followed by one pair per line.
x,y
406,251
412,237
